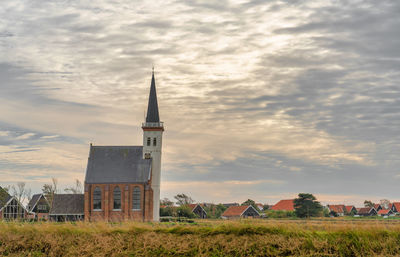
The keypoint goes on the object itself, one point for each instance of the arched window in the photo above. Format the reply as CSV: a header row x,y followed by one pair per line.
x,y
154,141
117,198
136,198
97,199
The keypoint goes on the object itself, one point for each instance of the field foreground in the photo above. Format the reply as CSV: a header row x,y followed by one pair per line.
x,y
209,238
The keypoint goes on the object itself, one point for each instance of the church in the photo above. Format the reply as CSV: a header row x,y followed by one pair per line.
x,y
123,182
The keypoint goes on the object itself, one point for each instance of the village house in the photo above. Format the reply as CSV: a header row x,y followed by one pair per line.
x,y
336,210
284,205
243,211
10,207
123,182
395,207
367,211
385,212
198,210
39,207
67,207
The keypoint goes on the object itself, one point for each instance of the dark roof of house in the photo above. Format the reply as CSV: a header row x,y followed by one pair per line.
x,y
67,204
33,201
117,164
284,205
152,108
4,197
365,210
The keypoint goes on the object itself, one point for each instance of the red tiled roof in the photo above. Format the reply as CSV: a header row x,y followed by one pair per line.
x,y
192,206
349,208
235,211
284,205
383,211
397,206
338,208
376,206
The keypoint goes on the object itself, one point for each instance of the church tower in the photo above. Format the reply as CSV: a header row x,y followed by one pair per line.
x,y
152,144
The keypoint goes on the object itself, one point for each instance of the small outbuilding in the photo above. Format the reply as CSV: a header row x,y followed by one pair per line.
x,y
244,211
67,207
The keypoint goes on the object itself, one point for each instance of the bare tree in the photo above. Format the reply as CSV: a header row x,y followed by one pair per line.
x,y
166,202
21,194
49,190
384,203
75,189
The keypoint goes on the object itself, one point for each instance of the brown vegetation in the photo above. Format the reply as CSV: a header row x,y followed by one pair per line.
x,y
209,238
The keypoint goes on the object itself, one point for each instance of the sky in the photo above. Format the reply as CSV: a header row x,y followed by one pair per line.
x,y
260,99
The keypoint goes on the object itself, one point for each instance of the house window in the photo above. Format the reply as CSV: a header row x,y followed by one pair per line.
x,y
154,141
97,198
117,198
148,141
13,210
136,198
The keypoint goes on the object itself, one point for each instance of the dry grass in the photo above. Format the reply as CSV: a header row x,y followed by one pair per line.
x,y
205,238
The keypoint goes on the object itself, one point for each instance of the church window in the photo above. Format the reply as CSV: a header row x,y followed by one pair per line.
x,y
97,198
136,198
154,141
117,198
148,141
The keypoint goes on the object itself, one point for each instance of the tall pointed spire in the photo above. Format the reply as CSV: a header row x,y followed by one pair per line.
x,y
152,108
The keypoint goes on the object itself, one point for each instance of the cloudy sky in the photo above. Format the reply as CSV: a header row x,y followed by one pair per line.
x,y
260,99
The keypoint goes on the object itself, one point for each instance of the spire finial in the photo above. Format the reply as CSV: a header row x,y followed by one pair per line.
x,y
153,70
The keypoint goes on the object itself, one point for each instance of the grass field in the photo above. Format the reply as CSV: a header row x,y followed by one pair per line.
x,y
323,237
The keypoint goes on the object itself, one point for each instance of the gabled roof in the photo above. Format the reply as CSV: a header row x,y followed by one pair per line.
x,y
237,210
67,204
365,210
234,210
396,205
349,208
284,205
377,205
4,197
385,211
152,108
194,206
338,208
117,164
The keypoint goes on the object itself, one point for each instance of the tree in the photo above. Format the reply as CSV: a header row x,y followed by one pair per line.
x,y
167,211
182,199
49,190
250,202
166,202
185,211
21,194
75,189
384,203
265,207
306,205
214,211
368,203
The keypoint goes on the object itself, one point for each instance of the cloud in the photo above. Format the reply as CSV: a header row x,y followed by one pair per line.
x,y
303,92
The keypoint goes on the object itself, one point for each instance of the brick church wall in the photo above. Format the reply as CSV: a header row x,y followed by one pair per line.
x,y
126,212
